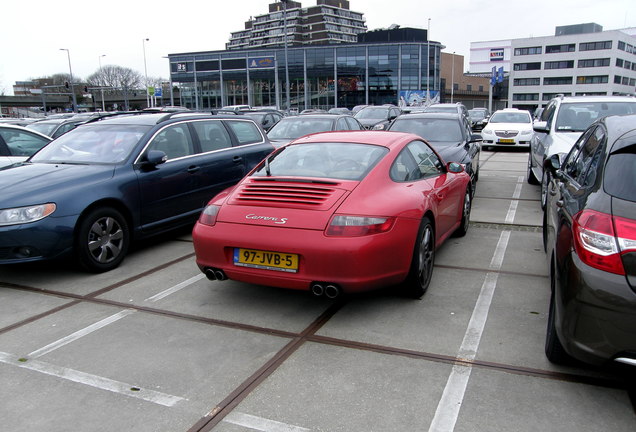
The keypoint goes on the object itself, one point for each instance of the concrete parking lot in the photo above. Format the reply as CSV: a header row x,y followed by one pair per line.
x,y
154,346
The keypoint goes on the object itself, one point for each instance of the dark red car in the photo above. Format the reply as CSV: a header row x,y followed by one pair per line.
x,y
337,212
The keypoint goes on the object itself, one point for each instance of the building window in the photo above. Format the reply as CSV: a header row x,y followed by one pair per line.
x,y
591,94
565,64
469,87
632,82
455,86
628,65
527,66
526,81
551,49
481,88
620,62
625,81
594,46
617,79
592,79
525,96
621,45
528,51
594,63
557,80
550,96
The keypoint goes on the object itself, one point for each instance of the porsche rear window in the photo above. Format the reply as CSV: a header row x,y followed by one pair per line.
x,y
338,161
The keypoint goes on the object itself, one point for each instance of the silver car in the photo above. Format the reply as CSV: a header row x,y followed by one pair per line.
x,y
561,123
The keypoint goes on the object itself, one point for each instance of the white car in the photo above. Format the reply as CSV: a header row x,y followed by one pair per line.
x,y
561,123
510,127
18,143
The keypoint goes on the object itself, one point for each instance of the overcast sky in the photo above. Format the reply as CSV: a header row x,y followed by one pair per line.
x,y
33,32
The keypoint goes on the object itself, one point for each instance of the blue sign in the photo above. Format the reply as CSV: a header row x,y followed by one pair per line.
x,y
261,62
500,74
158,92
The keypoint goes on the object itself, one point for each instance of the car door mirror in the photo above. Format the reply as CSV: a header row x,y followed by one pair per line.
x,y
154,158
454,167
554,162
476,138
541,126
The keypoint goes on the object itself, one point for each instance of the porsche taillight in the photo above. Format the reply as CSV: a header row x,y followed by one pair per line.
x,y
356,226
600,240
208,215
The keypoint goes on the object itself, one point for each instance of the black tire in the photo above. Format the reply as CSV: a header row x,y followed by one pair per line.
x,y
530,177
554,350
102,240
421,269
465,222
545,183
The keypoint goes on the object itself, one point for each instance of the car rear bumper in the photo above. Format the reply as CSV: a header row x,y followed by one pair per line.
x,y
355,264
598,318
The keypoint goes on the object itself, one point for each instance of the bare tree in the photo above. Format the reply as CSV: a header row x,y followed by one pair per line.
x,y
116,77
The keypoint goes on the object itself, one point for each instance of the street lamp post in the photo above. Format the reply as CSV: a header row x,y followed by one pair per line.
x,y
143,44
453,77
287,91
68,53
428,60
101,72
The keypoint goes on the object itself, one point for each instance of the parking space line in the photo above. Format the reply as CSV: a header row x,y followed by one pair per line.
x,y
92,380
512,210
78,334
261,424
175,288
449,405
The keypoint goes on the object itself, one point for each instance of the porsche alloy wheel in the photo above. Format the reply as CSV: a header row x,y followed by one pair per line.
x,y
102,240
421,271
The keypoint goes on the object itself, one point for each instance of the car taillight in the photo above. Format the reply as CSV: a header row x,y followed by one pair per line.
x,y
600,239
208,215
356,226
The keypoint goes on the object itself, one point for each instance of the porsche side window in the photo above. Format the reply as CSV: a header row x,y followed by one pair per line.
x,y
404,168
426,159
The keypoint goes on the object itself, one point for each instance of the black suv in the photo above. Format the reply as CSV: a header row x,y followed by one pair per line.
x,y
93,190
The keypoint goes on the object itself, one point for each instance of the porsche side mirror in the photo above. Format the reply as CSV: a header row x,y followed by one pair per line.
x,y
454,167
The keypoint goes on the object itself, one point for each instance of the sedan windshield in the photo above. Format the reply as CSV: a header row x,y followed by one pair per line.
x,y
94,144
439,130
341,161
43,127
576,117
295,127
373,113
510,117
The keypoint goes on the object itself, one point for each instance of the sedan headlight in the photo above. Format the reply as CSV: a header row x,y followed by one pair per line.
x,y
526,132
487,132
379,126
21,215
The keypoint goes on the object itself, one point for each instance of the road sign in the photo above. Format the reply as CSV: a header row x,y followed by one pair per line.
x,y
151,91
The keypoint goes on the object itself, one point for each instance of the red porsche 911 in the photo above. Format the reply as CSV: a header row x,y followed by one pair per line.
x,y
337,212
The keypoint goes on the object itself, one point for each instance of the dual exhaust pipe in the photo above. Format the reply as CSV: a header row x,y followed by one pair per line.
x,y
328,290
215,274
318,289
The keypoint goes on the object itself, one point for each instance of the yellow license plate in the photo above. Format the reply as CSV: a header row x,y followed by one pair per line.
x,y
507,141
266,260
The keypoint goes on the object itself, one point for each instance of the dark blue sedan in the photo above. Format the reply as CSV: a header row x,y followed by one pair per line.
x,y
95,189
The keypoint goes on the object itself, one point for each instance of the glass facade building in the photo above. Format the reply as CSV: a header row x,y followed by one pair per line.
x,y
320,76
